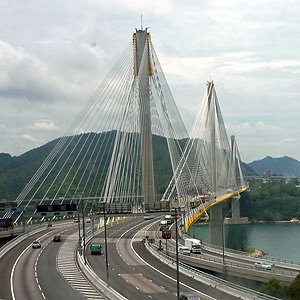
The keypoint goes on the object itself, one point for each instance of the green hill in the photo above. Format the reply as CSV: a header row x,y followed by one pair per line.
x,y
16,171
285,166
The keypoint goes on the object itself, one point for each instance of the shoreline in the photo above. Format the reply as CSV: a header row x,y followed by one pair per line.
x,y
293,220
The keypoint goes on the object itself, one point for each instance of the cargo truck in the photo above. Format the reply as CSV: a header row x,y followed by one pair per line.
x,y
194,245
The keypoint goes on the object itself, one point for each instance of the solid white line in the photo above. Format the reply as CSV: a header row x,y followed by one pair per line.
x,y
173,279
14,266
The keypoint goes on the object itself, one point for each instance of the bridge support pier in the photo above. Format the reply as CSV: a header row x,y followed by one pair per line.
x,y
235,207
216,225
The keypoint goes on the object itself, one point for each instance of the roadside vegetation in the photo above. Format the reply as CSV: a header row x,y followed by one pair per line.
x,y
278,290
271,201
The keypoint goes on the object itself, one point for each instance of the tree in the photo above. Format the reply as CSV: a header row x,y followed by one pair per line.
x,y
293,291
274,288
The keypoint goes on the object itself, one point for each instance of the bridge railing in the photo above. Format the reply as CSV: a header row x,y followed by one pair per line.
x,y
219,283
12,243
246,254
242,265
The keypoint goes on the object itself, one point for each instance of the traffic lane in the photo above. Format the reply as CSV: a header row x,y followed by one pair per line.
x,y
145,279
8,260
212,292
24,278
53,285
165,281
123,277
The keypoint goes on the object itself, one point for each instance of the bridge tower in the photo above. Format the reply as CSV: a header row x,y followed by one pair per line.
x,y
235,203
216,218
142,48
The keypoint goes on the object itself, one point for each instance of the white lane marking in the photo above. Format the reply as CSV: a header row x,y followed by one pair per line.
x,y
155,269
12,291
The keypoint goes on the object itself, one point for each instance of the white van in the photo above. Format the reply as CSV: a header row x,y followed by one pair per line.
x,y
184,250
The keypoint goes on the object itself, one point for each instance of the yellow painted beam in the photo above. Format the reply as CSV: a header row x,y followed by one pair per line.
x,y
199,214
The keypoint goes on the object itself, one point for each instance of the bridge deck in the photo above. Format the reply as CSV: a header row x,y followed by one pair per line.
x,y
198,212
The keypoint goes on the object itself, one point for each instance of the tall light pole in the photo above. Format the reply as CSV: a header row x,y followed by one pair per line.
x,y
83,231
177,261
105,242
78,215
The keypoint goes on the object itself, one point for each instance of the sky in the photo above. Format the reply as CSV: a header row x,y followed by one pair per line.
x,y
54,54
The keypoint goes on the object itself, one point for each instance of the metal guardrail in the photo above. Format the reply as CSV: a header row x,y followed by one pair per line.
x,y
221,284
12,243
90,274
241,265
246,254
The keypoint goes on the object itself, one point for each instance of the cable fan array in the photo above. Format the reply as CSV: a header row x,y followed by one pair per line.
x,y
99,157
208,166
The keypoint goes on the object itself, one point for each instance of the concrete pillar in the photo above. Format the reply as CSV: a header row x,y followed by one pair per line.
x,y
235,208
212,116
216,225
142,70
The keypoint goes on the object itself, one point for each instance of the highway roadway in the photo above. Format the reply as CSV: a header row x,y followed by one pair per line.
x,y
51,273
134,273
28,273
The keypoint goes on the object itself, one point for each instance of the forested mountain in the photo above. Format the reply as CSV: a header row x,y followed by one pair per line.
x,y
276,200
16,171
285,166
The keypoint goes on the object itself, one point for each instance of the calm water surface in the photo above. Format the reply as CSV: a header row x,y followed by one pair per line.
x,y
281,240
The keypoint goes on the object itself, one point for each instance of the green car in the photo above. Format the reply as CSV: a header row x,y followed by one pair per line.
x,y
96,249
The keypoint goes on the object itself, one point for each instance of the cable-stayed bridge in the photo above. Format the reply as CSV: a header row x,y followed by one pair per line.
x,y
107,153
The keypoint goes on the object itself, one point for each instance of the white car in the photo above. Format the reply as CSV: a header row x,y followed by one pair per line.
x,y
262,265
36,244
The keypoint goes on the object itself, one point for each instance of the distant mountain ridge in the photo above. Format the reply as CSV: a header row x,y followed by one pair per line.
x,y
16,171
285,166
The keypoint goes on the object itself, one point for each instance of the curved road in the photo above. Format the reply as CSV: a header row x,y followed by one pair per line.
x,y
28,273
135,274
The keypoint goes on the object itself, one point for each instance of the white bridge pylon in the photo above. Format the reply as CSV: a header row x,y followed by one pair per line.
x,y
101,155
210,169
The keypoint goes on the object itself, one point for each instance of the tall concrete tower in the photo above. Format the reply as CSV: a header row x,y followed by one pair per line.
x,y
142,70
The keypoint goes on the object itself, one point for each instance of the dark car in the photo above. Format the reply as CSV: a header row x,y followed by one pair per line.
x,y
36,244
57,238
49,224
96,249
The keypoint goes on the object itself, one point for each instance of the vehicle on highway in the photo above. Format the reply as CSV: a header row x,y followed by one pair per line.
x,y
76,220
166,234
194,245
36,244
88,220
148,217
169,219
57,238
262,265
96,249
184,250
163,225
49,224
189,296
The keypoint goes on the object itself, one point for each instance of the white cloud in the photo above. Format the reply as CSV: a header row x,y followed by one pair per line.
x,y
54,55
44,126
28,137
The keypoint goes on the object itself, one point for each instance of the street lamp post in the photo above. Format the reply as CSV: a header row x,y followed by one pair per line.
x,y
105,241
78,215
223,236
177,261
83,231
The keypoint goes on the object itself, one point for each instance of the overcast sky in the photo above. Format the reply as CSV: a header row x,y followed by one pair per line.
x,y
54,54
